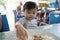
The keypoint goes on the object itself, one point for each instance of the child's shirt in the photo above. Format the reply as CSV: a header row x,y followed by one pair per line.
x,y
28,23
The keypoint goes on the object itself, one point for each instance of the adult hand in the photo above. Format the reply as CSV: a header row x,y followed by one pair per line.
x,y
42,23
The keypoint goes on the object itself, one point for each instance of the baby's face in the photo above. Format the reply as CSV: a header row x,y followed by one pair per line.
x,y
30,14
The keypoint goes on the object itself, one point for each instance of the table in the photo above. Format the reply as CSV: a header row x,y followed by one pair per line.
x,y
11,35
55,29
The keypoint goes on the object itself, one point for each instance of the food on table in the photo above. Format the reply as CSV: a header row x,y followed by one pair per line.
x,y
42,37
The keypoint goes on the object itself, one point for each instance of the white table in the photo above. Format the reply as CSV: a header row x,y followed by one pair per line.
x,y
55,29
10,35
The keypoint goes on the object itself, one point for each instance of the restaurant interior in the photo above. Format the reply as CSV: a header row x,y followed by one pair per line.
x,y
48,12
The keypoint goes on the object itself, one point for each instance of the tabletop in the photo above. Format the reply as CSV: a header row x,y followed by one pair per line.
x,y
11,35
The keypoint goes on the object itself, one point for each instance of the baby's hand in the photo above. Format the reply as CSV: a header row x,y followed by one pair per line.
x,y
21,31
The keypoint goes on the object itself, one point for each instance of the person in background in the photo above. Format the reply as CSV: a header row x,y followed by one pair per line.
x,y
0,22
30,9
17,13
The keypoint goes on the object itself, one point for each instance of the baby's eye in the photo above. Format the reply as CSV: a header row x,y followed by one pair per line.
x,y
33,13
29,12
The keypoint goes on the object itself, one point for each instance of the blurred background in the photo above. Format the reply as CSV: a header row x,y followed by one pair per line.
x,y
45,10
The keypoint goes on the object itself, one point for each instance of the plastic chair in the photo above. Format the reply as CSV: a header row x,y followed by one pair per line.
x,y
54,18
5,26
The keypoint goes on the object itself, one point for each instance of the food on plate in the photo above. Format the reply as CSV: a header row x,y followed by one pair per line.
x,y
37,37
42,37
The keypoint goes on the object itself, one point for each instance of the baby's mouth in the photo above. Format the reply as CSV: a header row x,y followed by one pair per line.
x,y
31,17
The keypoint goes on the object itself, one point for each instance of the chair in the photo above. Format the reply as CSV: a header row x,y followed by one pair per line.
x,y
54,18
0,22
5,26
17,17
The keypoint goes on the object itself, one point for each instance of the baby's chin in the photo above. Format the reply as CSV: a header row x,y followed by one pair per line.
x,y
31,18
